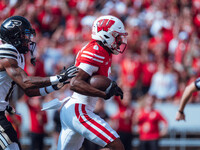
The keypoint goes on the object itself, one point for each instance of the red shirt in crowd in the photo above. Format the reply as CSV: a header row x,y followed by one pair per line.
x,y
2,5
6,11
124,117
131,69
45,20
148,123
167,35
196,64
148,69
38,118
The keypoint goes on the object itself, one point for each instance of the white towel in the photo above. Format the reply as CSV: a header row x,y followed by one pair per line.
x,y
54,104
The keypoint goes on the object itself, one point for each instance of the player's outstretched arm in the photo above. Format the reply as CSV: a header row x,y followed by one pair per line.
x,y
34,86
184,99
43,91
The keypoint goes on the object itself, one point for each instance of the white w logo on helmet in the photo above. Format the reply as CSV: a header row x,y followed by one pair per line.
x,y
13,23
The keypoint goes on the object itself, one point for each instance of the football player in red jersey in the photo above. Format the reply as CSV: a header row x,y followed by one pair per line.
x,y
77,117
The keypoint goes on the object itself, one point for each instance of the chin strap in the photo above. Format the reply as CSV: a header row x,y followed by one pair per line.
x,y
33,59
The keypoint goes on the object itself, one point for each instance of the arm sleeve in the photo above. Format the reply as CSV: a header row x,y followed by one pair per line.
x,y
90,69
8,51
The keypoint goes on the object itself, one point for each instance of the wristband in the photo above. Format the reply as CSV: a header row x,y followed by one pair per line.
x,y
46,90
181,112
49,89
54,80
42,91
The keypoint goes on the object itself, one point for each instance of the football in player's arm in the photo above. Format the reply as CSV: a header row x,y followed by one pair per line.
x,y
16,35
187,94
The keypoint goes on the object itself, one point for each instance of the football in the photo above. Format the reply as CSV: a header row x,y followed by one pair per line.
x,y
99,82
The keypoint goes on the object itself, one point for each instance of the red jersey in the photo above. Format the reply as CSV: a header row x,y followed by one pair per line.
x,y
124,117
130,69
94,60
148,70
149,124
95,55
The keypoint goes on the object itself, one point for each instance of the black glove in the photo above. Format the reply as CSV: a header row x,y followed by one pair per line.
x,y
112,90
10,110
59,85
68,73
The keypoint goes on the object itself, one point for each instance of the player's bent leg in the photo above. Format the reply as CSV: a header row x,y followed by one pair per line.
x,y
8,135
115,145
82,122
68,139
92,126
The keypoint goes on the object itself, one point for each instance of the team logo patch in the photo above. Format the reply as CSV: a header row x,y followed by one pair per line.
x,y
104,24
96,47
13,23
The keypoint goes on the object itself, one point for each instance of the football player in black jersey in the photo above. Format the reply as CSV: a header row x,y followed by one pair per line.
x,y
16,35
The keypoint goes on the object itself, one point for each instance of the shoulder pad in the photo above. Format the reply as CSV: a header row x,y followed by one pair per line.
x,y
92,55
8,51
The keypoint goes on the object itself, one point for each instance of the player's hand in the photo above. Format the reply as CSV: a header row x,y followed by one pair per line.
x,y
68,73
59,85
112,90
180,116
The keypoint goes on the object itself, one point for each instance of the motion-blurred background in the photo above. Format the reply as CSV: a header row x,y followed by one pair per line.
x,y
163,56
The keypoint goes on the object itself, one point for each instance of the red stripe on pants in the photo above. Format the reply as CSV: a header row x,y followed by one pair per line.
x,y
84,123
97,124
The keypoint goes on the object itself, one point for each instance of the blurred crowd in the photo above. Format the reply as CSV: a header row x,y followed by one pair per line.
x,y
163,53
